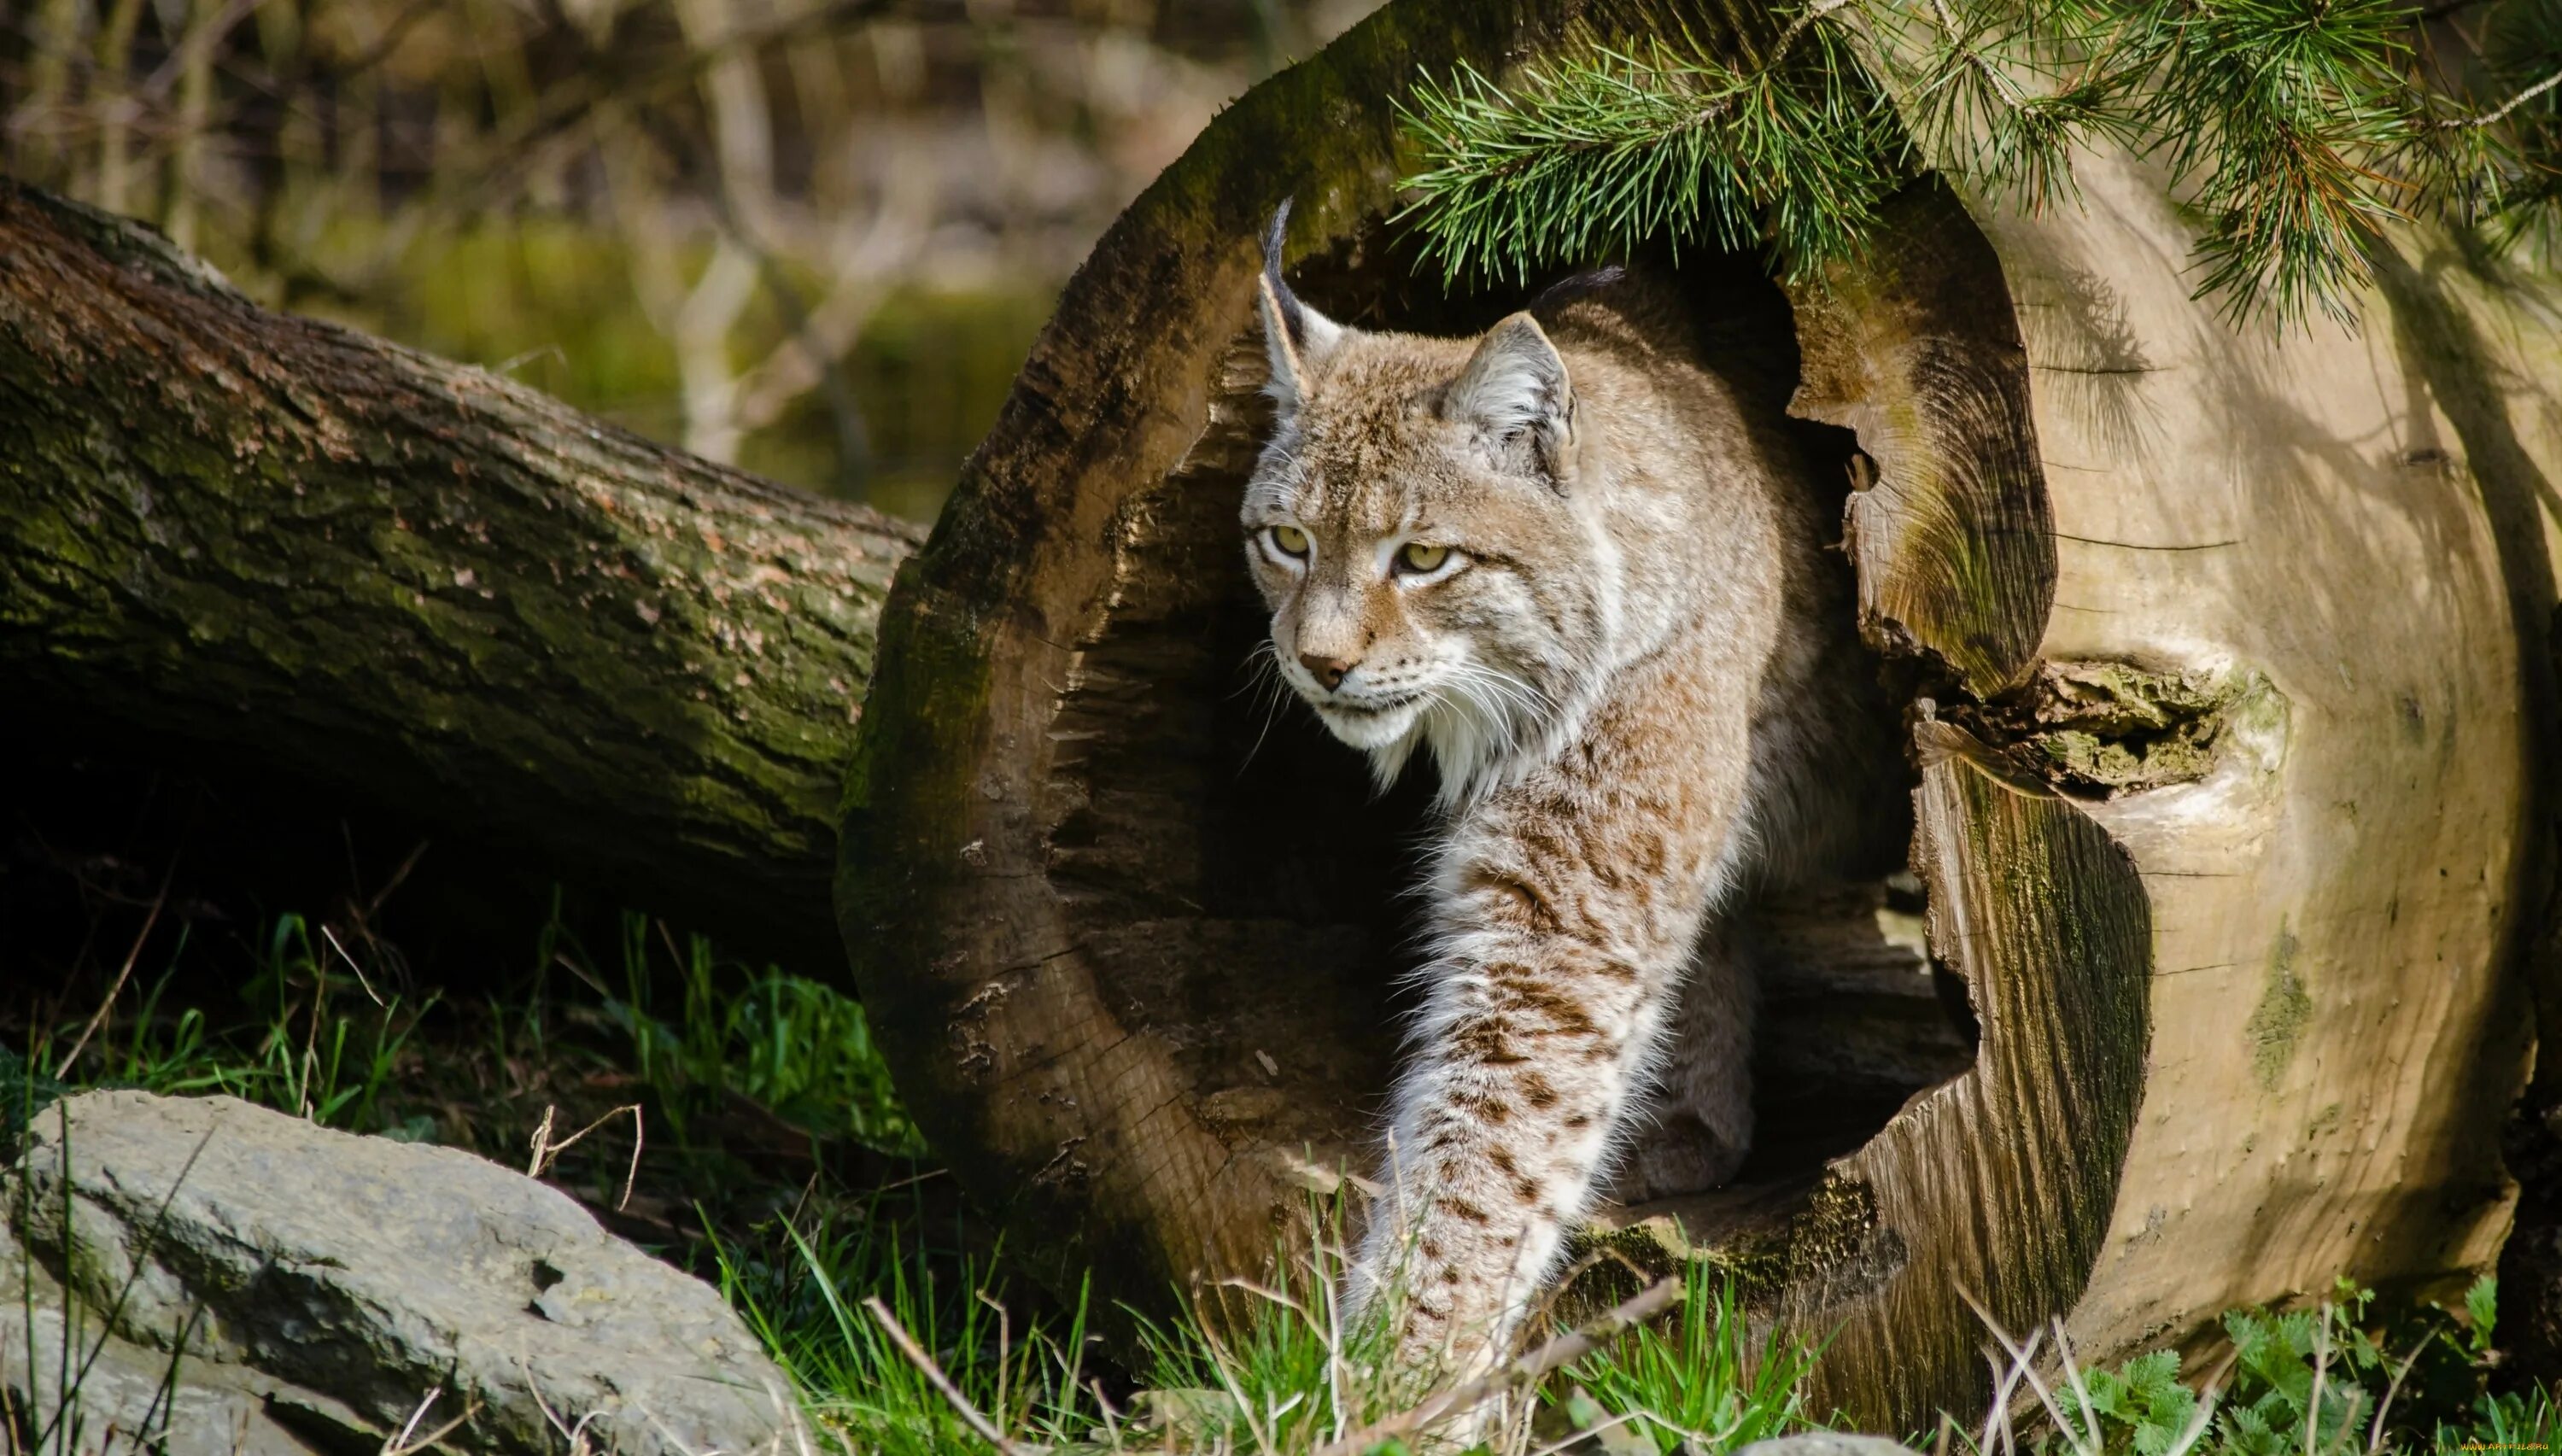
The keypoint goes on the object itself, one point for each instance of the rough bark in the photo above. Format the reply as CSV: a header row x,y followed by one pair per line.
x,y
347,562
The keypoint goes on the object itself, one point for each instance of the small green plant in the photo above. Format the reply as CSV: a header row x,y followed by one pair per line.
x,y
2334,1380
2511,1421
2308,1377
802,1049
2139,1406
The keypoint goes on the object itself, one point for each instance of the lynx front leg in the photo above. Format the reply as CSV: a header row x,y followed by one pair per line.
x,y
1502,1124
1552,985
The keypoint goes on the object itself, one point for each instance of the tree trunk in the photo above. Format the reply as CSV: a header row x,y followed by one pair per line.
x,y
2225,803
2225,654
339,559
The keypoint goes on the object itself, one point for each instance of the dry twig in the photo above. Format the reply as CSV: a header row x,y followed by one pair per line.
x,y
547,1152
63,1068
332,937
407,1442
933,1373
1528,1371
2022,1357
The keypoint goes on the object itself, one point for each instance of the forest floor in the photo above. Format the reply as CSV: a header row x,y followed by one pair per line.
x,y
738,1122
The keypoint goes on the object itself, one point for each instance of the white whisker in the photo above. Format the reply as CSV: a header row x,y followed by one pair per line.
x,y
1264,665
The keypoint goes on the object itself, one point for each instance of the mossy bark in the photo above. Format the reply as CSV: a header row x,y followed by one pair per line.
x,y
358,565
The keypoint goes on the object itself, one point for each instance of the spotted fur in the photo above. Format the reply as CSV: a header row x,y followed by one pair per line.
x,y
1565,562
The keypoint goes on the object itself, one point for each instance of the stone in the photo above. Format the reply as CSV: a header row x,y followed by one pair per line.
x,y
235,1280
1827,1443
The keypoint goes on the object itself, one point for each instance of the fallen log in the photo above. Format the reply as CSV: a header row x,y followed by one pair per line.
x,y
344,562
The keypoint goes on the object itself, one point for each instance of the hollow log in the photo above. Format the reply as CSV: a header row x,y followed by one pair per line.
x,y
337,560
2226,809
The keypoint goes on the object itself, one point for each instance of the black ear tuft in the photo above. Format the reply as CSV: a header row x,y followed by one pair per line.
x,y
1577,286
1296,338
1275,236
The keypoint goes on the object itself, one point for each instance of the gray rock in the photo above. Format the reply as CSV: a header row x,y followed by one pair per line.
x,y
1827,1443
309,1288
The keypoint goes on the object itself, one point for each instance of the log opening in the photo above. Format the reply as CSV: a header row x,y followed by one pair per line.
x,y
1232,864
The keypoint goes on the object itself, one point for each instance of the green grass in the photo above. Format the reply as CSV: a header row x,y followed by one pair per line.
x,y
319,1029
312,1033
1269,1365
1703,1384
1250,1367
805,1296
799,1048
309,1052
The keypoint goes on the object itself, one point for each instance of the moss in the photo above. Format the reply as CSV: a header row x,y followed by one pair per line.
x,y
2278,1023
1828,1232
1833,1229
2109,728
2116,764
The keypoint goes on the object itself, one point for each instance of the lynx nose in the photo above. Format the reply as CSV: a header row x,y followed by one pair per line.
x,y
1328,670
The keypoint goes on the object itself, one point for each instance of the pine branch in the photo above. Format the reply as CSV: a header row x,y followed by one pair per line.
x,y
2296,128
1980,118
1601,153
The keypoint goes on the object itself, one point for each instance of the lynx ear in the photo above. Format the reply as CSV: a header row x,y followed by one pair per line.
x,y
1296,337
1515,384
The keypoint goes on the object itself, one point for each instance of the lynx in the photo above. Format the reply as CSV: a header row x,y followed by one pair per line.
x,y
1567,563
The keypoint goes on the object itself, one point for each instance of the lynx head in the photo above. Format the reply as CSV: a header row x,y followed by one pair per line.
x,y
1415,529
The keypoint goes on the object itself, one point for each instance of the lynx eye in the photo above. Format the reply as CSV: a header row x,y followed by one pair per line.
x,y
1420,559
1289,541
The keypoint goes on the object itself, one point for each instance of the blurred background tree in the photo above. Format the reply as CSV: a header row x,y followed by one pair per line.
x,y
810,237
